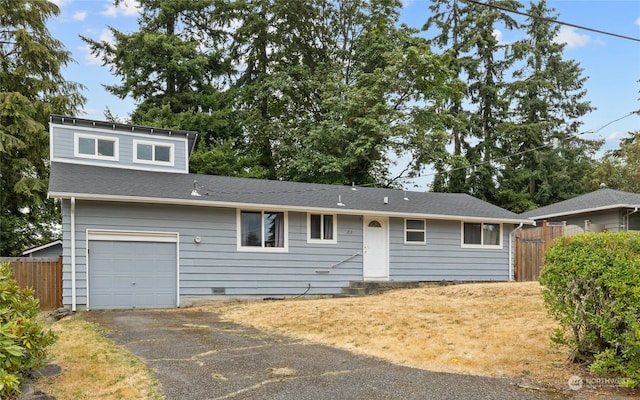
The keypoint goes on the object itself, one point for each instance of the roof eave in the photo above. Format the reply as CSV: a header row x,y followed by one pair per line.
x,y
227,204
584,211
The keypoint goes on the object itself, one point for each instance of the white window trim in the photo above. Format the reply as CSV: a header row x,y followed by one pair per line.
x,y
171,147
321,240
480,246
261,249
424,241
76,146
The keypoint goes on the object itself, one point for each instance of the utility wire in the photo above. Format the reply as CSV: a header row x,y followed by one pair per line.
x,y
555,21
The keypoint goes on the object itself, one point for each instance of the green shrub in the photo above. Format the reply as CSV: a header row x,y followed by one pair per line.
x,y
22,340
592,287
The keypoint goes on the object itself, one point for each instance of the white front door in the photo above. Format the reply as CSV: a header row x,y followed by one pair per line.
x,y
376,248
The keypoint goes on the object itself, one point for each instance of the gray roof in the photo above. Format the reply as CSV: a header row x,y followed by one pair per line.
x,y
601,199
117,184
89,123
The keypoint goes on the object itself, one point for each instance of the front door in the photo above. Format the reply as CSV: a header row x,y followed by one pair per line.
x,y
376,249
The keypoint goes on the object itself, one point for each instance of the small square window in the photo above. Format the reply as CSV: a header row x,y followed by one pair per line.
x,y
87,146
415,231
321,228
145,152
163,153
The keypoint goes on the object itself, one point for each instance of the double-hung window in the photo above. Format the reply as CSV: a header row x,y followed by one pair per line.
x,y
481,234
153,152
262,230
94,146
321,228
415,231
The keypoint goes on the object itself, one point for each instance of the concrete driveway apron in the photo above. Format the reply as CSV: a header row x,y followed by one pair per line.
x,y
195,355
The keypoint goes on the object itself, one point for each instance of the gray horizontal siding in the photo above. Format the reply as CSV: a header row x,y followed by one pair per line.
x,y
443,258
215,262
63,149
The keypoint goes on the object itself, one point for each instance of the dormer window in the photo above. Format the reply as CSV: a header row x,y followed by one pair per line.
x,y
93,146
153,152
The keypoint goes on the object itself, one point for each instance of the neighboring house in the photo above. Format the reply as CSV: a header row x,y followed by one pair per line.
x,y
139,231
603,210
47,250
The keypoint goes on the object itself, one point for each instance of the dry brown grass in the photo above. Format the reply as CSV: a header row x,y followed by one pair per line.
x,y
495,329
93,367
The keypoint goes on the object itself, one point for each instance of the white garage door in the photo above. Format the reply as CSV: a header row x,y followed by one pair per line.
x,y
132,274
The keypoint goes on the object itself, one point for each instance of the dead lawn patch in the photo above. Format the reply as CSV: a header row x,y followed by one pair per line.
x,y
93,367
492,329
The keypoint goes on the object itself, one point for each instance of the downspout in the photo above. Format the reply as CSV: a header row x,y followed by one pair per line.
x,y
73,254
511,277
626,217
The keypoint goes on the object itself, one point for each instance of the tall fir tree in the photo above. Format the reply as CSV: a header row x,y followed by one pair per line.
x,y
31,88
550,160
467,31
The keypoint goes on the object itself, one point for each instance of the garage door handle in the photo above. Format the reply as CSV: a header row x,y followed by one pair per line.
x,y
133,283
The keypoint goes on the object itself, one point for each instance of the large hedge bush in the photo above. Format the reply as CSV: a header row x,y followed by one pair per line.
x,y
23,341
592,287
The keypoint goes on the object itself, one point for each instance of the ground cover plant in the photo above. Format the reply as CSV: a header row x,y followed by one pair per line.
x,y
23,341
592,287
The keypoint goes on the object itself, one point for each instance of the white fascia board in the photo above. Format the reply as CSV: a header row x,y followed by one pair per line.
x,y
42,247
261,206
584,211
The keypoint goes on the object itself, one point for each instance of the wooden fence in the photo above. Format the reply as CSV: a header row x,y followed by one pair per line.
x,y
44,275
531,245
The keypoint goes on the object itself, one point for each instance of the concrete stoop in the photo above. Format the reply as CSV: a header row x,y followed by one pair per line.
x,y
365,288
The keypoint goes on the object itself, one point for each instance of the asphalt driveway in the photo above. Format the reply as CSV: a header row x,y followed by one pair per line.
x,y
197,356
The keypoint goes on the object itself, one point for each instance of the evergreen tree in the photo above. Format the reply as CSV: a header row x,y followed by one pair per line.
x,y
176,70
620,168
551,160
31,88
466,31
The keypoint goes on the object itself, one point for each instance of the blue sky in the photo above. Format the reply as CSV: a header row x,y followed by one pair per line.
x,y
612,64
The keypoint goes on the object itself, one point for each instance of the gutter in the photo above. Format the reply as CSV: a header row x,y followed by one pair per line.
x,y
73,254
511,275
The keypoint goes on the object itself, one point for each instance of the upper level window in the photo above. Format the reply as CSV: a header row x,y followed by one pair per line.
x,y
262,230
153,152
93,146
415,231
481,234
321,228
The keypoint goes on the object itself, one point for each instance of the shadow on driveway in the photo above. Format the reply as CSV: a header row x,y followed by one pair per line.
x,y
197,356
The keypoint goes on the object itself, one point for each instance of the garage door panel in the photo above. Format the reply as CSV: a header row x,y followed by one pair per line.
x,y
130,274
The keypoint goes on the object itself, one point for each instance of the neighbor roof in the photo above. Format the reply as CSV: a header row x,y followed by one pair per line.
x,y
41,247
89,123
115,184
601,199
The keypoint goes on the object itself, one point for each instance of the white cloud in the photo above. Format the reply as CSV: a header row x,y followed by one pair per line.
x,y
61,3
498,35
79,15
91,59
126,8
571,38
638,21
